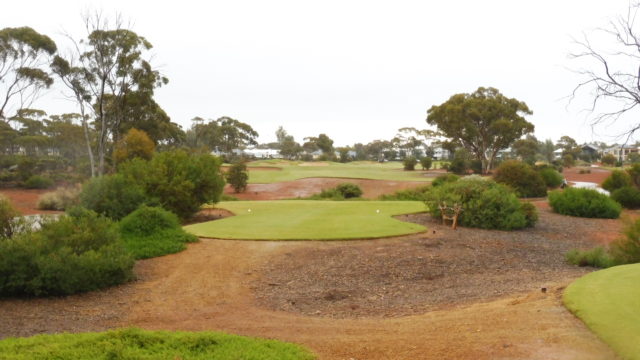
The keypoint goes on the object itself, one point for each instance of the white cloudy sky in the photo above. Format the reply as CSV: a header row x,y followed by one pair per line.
x,y
356,70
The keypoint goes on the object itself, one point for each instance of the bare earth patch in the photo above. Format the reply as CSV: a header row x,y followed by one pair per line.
x,y
419,273
372,189
26,200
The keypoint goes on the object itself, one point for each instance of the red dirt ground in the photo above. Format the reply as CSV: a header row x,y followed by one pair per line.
x,y
597,175
310,186
26,200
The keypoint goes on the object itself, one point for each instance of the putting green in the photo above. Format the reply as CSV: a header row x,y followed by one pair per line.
x,y
293,170
310,220
608,302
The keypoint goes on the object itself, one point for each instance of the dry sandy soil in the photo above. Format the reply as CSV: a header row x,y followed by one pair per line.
x,y
597,175
25,200
221,285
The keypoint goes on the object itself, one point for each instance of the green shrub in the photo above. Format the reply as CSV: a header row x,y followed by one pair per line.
x,y
180,182
60,199
485,203
238,177
444,178
618,179
426,163
522,178
77,253
568,160
349,190
596,257
7,214
113,196
584,203
38,182
415,194
225,197
152,231
409,163
634,173
628,197
551,177
609,159
461,162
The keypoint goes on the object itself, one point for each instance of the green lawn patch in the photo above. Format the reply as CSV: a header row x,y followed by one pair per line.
x,y
311,220
293,170
608,302
143,345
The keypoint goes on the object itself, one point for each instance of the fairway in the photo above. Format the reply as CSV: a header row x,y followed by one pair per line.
x,y
293,170
310,220
608,301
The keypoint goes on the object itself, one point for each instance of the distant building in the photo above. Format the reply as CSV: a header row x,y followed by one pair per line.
x,y
440,153
621,152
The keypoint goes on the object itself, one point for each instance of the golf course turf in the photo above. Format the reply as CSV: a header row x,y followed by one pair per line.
x,y
141,344
293,170
310,220
608,302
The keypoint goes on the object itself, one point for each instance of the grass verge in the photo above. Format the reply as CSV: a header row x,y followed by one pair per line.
x,y
311,220
141,344
607,301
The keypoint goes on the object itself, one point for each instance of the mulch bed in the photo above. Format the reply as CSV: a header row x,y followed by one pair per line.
x,y
411,275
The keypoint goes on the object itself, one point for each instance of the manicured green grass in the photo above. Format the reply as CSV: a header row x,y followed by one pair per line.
x,y
149,345
293,170
311,220
608,301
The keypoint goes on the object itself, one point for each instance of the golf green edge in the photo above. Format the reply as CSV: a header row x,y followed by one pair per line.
x,y
311,220
608,302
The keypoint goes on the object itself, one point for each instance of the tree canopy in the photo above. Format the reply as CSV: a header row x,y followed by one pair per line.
x,y
483,122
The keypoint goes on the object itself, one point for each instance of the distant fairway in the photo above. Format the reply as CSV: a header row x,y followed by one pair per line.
x,y
293,170
310,220
608,301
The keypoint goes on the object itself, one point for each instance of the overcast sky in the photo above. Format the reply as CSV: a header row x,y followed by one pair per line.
x,y
356,70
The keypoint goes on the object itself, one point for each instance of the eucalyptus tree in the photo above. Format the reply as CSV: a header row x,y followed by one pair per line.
x,y
104,73
24,58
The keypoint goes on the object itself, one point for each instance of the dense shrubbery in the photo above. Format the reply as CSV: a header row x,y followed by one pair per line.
x,y
178,181
113,196
628,197
551,177
584,203
409,163
60,199
461,162
340,192
609,159
618,179
485,203
238,177
7,214
522,178
80,252
625,250
443,179
152,231
38,182
418,194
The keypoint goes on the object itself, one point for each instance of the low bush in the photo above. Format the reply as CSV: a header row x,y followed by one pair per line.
x,y
60,199
426,163
596,257
152,231
79,252
38,182
609,159
628,197
551,177
444,178
522,178
113,196
461,162
618,179
634,173
7,214
486,204
584,203
409,163
340,192
625,250
584,171
415,194
144,345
